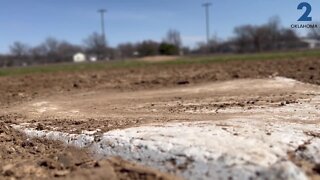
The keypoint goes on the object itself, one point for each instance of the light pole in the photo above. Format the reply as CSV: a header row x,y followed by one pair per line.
x,y
102,12
207,6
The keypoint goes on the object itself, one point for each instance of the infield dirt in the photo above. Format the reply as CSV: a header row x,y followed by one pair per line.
x,y
74,102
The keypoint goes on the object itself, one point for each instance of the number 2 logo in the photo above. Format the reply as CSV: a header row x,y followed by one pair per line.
x,y
305,16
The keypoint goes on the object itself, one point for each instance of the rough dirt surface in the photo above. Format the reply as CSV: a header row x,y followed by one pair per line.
x,y
245,126
59,102
24,158
26,87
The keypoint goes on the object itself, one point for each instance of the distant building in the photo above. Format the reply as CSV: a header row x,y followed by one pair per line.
x,y
136,53
79,57
311,43
93,58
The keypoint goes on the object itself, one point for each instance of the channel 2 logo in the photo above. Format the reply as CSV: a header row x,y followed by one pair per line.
x,y
304,22
307,10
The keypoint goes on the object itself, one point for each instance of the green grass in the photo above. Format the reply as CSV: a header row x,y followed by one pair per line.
x,y
70,67
132,63
258,56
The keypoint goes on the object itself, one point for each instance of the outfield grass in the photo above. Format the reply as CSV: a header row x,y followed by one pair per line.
x,y
136,63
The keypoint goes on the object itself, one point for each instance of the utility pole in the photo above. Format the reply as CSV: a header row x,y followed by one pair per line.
x,y
102,12
207,6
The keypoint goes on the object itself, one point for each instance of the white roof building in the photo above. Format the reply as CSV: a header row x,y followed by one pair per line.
x,y
79,57
312,43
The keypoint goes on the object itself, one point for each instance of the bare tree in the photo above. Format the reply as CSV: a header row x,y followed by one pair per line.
x,y
289,39
67,49
39,51
266,37
244,38
127,50
148,48
52,45
53,50
19,49
314,33
173,37
274,26
95,44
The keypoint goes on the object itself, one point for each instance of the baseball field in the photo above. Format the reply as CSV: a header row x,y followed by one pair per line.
x,y
200,117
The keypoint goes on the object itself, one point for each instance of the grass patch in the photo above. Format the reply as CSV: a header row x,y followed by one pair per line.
x,y
256,57
68,67
71,67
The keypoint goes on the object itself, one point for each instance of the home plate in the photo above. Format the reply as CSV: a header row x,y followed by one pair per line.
x,y
263,142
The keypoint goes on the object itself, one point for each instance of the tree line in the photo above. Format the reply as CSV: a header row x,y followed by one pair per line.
x,y
270,36
56,51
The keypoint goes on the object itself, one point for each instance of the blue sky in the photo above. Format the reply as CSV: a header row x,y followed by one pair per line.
x,y
31,21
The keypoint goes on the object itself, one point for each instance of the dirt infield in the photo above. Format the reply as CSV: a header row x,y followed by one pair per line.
x,y
23,158
76,103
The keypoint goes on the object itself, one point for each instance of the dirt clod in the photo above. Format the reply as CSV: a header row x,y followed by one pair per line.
x,y
8,170
183,82
316,169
